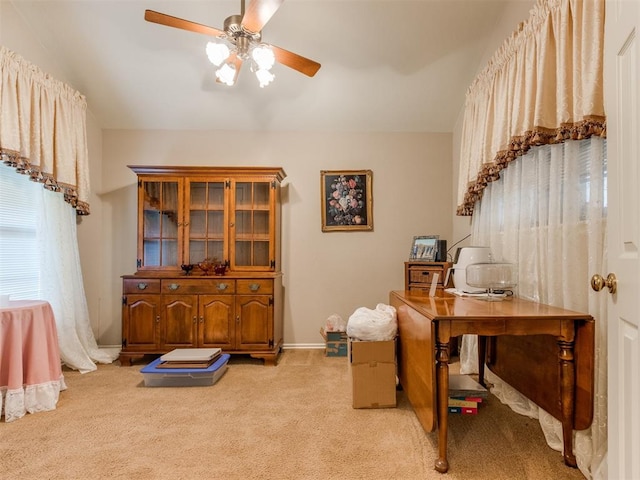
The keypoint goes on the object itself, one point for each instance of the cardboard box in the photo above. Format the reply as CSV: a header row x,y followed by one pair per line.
x,y
373,373
335,349
335,343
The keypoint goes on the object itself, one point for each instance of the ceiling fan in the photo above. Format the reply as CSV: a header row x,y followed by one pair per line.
x,y
241,41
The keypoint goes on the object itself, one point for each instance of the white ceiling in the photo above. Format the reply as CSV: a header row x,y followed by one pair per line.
x,y
388,65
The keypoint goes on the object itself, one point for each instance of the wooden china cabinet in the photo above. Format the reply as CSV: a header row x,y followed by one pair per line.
x,y
187,215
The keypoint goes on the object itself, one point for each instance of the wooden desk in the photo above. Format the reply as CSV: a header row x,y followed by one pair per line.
x,y
427,323
30,368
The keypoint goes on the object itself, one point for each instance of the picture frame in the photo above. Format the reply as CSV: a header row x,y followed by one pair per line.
x,y
346,200
424,248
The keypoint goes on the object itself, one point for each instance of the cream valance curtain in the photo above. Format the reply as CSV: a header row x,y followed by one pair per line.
x,y
543,86
43,129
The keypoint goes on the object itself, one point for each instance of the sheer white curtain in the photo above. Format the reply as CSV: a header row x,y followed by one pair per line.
x,y
39,259
61,281
547,213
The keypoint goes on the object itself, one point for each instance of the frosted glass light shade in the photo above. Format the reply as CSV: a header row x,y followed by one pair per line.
x,y
226,74
263,56
265,77
217,52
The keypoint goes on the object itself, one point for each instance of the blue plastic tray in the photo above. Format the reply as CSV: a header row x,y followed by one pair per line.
x,y
184,377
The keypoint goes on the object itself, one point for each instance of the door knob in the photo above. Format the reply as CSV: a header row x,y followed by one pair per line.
x,y
598,283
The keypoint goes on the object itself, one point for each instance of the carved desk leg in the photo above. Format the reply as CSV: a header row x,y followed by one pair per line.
x,y
442,383
567,392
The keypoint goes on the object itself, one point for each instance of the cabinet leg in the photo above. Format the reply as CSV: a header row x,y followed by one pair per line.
x,y
270,359
126,358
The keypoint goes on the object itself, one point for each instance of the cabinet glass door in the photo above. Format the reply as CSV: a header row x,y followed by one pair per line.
x,y
252,239
160,238
206,222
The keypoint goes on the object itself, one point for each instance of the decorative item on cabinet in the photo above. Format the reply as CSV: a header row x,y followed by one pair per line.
x,y
424,248
214,265
226,221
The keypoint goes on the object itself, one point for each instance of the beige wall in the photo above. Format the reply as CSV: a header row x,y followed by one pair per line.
x,y
324,273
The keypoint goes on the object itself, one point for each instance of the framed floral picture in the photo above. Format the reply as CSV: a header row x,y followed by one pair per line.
x,y
347,202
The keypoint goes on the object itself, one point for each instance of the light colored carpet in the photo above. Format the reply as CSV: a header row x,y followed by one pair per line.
x,y
293,421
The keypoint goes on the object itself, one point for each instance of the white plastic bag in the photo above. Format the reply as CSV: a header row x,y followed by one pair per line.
x,y
335,323
373,325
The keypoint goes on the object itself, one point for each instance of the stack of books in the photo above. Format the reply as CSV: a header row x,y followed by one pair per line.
x,y
465,395
189,358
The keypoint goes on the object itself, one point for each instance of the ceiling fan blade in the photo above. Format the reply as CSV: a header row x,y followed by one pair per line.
x,y
169,21
237,61
258,13
295,61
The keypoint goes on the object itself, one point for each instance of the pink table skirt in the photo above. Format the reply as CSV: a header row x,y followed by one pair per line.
x,y
30,369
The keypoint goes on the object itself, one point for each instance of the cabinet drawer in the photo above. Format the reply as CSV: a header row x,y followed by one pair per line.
x,y
209,286
425,274
255,287
141,285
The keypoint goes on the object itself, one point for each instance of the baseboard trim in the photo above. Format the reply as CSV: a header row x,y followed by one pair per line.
x,y
302,346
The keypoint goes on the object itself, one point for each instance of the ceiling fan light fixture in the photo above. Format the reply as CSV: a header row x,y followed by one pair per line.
x,y
217,52
241,41
226,74
265,77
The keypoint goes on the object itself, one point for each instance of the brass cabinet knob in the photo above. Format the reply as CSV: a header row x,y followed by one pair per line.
x,y
598,283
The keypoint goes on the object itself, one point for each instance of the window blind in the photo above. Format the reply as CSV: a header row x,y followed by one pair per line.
x,y
19,256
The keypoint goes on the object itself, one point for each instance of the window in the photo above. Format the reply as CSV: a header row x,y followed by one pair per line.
x,y
550,185
19,256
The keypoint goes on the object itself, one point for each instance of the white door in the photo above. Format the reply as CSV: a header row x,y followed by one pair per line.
x,y
622,97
